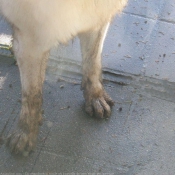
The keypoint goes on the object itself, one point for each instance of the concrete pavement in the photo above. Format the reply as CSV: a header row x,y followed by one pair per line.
x,y
139,138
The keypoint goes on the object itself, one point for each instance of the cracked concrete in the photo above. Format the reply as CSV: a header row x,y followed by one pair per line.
x,y
139,138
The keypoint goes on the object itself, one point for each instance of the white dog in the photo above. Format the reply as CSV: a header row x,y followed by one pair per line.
x,y
38,25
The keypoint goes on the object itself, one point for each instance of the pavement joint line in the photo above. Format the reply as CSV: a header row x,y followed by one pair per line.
x,y
146,17
43,144
82,157
39,152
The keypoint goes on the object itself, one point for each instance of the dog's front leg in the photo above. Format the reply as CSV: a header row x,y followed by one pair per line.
x,y
32,63
97,101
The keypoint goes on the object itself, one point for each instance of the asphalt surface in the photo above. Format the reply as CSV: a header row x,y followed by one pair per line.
x,y
139,138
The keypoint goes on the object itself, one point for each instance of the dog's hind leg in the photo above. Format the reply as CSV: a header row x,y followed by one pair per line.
x,y
97,101
31,59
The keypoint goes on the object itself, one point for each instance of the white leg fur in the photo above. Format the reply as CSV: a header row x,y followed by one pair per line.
x,y
97,101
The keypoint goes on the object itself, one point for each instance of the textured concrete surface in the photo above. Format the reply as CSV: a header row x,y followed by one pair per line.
x,y
139,138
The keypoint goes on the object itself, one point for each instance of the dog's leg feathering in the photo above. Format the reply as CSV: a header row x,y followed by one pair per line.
x,y
97,101
32,63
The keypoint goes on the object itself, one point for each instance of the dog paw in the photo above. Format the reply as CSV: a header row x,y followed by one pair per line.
x,y
99,107
20,142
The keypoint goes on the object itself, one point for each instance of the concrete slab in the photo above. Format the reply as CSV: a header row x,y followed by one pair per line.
x,y
137,139
125,49
168,12
161,60
146,8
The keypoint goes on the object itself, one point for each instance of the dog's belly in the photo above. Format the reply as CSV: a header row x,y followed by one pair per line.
x,y
57,21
